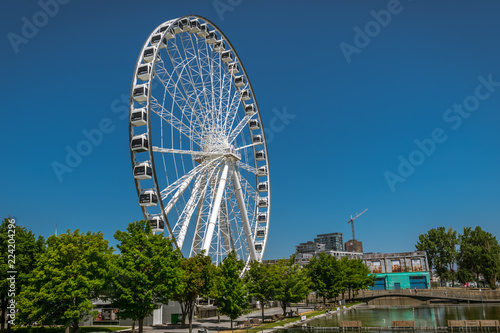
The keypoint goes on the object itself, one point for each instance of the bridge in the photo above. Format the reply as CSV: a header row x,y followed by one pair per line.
x,y
437,295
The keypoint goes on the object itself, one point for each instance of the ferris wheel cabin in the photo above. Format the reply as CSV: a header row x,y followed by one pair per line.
x,y
211,37
239,81
263,202
203,31
263,187
219,46
148,198
253,124
261,232
157,40
169,32
262,217
144,72
156,223
143,171
245,95
195,26
148,54
140,92
249,110
139,117
233,68
226,56
257,139
262,171
139,143
260,155
258,247
186,25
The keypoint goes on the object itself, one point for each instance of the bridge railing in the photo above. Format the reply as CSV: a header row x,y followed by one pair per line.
x,y
440,293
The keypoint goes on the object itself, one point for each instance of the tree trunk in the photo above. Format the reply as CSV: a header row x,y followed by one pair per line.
x,y
183,318
262,307
283,306
3,310
66,330
141,321
133,326
74,327
231,324
190,315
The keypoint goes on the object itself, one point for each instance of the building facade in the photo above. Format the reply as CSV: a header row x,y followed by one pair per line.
x,y
333,241
394,271
350,247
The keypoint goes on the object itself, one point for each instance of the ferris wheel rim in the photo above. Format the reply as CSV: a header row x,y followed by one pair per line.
x,y
237,59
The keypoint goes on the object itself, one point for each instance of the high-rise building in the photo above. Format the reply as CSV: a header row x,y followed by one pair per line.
x,y
349,246
333,241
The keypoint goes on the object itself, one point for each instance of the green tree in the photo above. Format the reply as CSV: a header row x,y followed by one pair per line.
x,y
197,280
326,276
20,246
293,284
441,248
232,293
145,274
68,276
357,275
262,281
479,254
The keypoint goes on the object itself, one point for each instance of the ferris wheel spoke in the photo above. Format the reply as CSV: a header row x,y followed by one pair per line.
x,y
244,214
215,210
175,122
232,112
246,167
182,69
180,97
237,130
185,179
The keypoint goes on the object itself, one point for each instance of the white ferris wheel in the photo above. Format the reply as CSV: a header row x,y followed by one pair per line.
x,y
197,142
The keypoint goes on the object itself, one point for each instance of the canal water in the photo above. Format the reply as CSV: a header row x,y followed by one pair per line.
x,y
424,316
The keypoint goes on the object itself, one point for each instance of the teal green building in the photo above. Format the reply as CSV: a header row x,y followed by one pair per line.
x,y
406,280
394,271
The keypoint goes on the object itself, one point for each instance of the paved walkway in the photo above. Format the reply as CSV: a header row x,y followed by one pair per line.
x,y
213,325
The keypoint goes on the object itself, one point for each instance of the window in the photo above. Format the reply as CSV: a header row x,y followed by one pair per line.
x,y
416,265
396,266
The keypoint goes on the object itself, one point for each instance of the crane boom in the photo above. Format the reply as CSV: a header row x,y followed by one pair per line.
x,y
351,221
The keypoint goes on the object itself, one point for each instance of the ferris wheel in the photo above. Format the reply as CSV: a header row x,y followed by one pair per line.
x,y
197,142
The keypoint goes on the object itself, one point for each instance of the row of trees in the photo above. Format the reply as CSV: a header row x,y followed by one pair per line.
x,y
60,277
462,257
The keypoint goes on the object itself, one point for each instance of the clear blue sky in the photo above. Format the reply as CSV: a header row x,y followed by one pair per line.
x,y
350,118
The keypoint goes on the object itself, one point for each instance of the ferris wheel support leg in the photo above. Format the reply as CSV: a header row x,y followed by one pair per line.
x,y
244,215
189,210
215,210
178,194
195,247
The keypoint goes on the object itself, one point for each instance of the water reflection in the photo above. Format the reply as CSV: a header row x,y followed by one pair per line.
x,y
424,316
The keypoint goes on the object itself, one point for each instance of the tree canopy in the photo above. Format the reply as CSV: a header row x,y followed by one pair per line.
x,y
197,280
479,254
68,276
232,292
144,274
